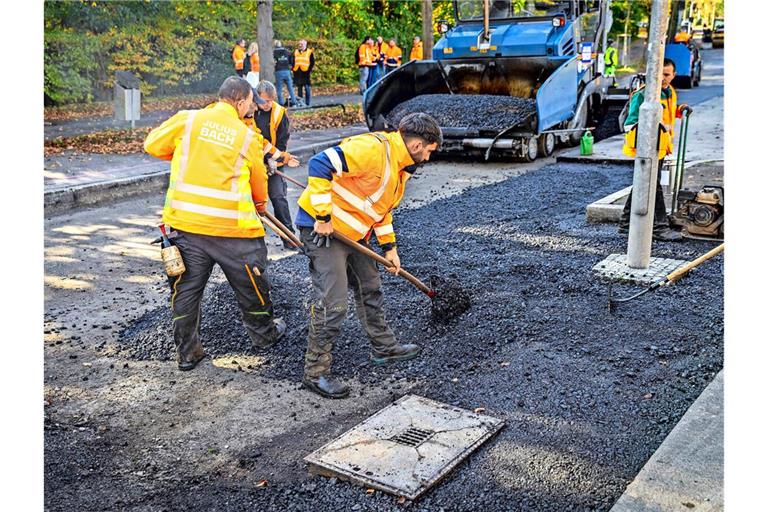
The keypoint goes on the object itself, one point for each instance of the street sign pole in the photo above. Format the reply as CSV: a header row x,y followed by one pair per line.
x,y
647,159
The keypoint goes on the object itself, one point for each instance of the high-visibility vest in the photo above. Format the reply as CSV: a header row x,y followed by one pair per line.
x,y
394,55
383,50
217,172
611,57
255,62
365,54
238,56
362,200
417,52
301,59
668,116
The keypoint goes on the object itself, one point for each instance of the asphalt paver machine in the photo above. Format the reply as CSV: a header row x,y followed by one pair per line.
x,y
511,77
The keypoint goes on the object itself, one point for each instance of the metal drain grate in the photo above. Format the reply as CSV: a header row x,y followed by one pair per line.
x,y
413,436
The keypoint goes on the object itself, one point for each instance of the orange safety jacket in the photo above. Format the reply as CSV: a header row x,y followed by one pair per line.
x,y
301,59
394,56
218,181
357,184
238,56
365,53
255,62
417,52
383,50
668,115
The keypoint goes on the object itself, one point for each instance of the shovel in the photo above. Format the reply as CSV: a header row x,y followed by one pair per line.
x,y
448,299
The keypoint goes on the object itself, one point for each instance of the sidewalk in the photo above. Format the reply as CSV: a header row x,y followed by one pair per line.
x,y
74,180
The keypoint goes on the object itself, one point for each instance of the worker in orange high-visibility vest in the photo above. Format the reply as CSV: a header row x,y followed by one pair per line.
x,y
352,189
670,111
238,57
394,56
417,51
218,186
303,64
364,58
253,64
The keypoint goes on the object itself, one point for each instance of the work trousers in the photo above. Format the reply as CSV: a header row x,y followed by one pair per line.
x,y
373,75
305,88
244,262
283,76
278,196
660,219
363,78
334,269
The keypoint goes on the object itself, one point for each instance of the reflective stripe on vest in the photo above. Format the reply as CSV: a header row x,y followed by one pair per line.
x,y
301,59
363,205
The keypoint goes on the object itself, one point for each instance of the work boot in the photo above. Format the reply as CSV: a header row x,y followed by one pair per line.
x,y
186,366
395,353
280,329
667,235
326,386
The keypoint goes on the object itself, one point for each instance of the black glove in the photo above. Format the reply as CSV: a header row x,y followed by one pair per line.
x,y
319,239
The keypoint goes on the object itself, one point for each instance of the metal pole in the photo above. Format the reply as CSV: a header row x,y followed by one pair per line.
x,y
647,159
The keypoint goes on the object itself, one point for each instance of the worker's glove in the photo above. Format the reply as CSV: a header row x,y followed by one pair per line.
x,y
271,167
686,108
320,240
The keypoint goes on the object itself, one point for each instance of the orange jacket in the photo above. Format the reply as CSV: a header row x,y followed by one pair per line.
x,y
255,62
394,56
301,59
218,180
365,53
238,56
417,52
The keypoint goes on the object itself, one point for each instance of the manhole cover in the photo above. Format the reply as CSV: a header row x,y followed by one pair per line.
x,y
615,268
405,448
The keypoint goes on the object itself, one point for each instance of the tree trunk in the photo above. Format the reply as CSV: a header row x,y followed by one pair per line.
x,y
265,37
426,27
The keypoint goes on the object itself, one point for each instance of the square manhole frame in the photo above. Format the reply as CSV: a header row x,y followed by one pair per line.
x,y
614,268
315,466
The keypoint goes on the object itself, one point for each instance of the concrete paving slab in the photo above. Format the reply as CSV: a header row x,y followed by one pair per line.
x,y
615,268
405,448
686,471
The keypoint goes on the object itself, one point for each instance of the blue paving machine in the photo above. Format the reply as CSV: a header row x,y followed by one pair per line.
x,y
549,52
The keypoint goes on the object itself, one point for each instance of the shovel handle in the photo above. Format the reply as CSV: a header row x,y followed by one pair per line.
x,y
677,274
376,256
354,245
281,230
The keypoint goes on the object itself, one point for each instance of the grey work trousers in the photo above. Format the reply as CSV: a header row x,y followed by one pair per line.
x,y
244,262
278,196
333,270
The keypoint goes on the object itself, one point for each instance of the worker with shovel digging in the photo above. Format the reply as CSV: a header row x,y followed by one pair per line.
x,y
352,189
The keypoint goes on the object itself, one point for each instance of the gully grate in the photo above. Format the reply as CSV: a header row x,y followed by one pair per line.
x,y
405,448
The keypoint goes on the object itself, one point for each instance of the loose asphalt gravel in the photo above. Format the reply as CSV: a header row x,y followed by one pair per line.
x,y
473,111
587,396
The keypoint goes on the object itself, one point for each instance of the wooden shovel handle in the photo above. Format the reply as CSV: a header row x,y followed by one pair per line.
x,y
677,274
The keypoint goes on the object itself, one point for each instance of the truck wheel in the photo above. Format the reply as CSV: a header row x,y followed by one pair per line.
x,y
530,149
546,144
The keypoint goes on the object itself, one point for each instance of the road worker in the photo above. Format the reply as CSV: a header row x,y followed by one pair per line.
x,y
218,186
352,189
394,56
417,51
670,111
365,61
303,64
238,57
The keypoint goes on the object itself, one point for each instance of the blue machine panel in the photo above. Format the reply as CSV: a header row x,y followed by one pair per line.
x,y
681,55
557,97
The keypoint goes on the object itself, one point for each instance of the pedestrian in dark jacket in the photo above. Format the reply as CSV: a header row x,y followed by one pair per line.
x,y
283,66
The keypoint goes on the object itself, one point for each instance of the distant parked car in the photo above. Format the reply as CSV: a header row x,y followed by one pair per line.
x,y
706,35
718,33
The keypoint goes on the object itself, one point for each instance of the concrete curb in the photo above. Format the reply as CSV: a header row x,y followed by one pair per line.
x,y
592,159
66,199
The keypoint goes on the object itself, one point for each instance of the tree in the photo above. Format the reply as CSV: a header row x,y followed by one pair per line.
x,y
266,37
427,28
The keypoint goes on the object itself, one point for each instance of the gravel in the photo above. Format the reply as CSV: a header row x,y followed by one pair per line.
x,y
587,396
473,111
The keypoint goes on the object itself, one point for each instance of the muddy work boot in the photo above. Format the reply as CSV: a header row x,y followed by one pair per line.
x,y
188,365
395,353
280,329
326,386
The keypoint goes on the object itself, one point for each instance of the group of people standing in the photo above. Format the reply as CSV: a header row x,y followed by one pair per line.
x,y
291,68
376,58
218,189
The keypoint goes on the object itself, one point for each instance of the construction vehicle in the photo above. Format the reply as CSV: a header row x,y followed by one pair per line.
x,y
549,53
718,33
683,49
